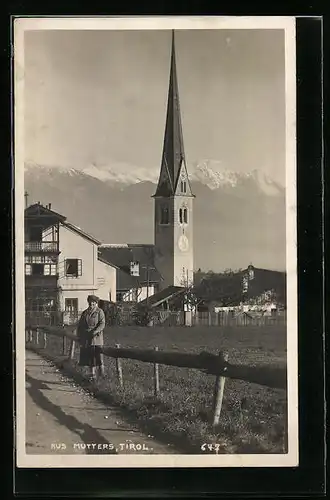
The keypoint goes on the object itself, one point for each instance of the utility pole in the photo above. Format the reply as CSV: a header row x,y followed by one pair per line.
x,y
148,284
149,268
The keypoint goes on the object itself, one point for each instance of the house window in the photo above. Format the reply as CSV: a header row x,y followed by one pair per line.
x,y
183,186
251,274
181,215
50,269
40,265
73,268
71,306
164,215
245,284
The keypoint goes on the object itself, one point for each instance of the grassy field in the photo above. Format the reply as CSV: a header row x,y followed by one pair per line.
x,y
253,417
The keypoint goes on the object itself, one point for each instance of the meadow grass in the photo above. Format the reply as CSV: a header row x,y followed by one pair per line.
x,y
253,417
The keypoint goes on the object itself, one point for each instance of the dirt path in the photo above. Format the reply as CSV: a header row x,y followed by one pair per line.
x,y
62,418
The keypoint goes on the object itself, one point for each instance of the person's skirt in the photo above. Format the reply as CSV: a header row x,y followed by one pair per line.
x,y
90,356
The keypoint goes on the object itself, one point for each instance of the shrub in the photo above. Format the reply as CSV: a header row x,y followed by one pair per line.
x,y
142,315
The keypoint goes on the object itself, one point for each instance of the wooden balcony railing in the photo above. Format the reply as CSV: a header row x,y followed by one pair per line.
x,y
41,246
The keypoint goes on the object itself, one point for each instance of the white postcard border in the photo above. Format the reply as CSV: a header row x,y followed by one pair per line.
x,y
23,24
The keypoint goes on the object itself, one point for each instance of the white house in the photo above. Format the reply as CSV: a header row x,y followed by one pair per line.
x,y
80,271
62,265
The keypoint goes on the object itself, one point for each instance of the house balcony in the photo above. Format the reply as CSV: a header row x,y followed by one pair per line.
x,y
40,281
41,246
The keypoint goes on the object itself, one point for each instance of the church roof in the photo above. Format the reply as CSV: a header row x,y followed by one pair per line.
x,y
173,159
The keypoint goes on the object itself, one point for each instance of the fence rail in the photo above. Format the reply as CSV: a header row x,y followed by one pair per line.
x,y
209,363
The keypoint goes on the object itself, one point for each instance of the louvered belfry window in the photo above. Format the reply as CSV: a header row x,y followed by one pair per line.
x,y
164,215
183,216
183,186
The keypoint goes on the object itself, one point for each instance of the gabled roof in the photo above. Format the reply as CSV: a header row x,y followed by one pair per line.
x,y
40,211
82,233
106,262
122,255
160,297
48,217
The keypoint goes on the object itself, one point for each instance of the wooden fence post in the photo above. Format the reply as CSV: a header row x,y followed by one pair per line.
x,y
156,377
119,369
64,346
218,394
72,349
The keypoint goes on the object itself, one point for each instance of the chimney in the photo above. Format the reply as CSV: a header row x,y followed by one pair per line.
x,y
50,206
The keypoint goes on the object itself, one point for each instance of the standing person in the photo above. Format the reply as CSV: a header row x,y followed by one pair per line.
x,y
90,333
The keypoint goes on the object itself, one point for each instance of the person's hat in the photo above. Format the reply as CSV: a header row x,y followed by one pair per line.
x,y
92,298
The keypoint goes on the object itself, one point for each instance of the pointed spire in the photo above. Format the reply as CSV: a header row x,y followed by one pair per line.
x,y
173,150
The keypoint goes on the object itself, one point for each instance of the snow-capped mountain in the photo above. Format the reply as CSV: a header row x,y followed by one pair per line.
x,y
245,213
211,173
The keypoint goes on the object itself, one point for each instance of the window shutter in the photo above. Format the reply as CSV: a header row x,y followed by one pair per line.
x,y
79,267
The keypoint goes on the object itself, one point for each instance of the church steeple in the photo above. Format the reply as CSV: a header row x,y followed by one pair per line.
x,y
173,158
174,255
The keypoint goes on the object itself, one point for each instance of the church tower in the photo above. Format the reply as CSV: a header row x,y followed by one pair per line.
x,y
174,198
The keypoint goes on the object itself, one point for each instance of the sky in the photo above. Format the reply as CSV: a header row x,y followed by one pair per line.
x,y
100,97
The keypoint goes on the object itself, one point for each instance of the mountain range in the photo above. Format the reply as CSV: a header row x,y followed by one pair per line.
x,y
239,218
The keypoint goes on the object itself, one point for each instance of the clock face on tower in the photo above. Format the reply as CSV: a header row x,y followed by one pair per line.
x,y
183,243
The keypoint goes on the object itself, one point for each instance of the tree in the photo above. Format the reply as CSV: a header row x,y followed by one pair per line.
x,y
225,288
